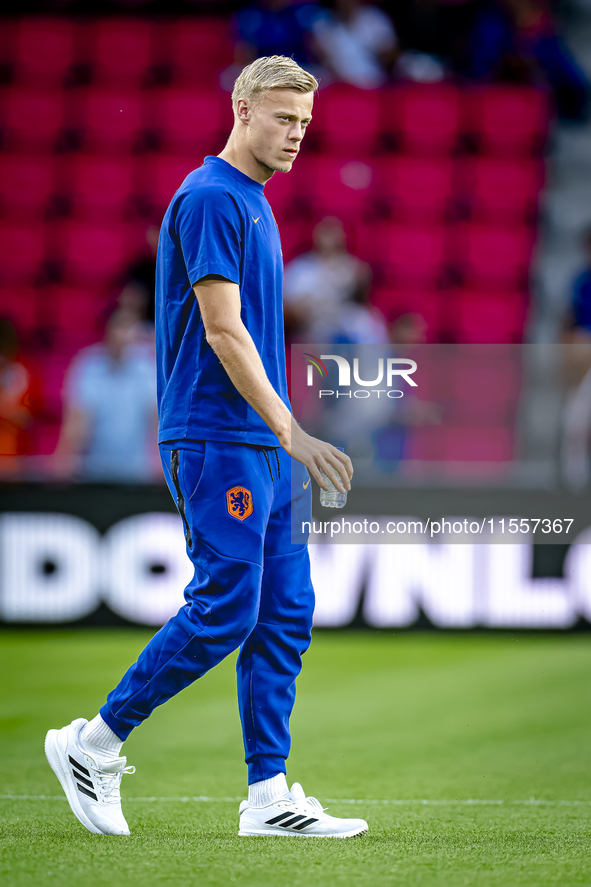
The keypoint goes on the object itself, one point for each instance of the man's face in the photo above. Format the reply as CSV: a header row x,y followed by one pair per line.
x,y
120,333
329,236
276,126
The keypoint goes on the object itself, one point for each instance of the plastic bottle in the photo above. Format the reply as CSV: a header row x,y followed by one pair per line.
x,y
331,498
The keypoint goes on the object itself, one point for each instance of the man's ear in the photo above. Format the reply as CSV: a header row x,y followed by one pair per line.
x,y
243,110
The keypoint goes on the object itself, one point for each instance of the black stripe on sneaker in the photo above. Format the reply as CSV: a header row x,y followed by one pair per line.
x,y
86,792
279,818
302,825
290,822
82,779
78,766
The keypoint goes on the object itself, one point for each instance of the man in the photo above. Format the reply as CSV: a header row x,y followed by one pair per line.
x,y
229,446
326,293
109,408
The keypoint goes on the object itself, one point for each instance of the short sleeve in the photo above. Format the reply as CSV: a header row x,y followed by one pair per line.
x,y
208,227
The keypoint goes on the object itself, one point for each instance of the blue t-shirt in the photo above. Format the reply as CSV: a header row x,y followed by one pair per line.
x,y
119,398
219,222
582,299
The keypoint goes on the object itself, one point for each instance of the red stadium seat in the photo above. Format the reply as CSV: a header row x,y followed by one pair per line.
x,y
347,120
396,302
480,412
110,118
27,184
44,437
19,305
100,187
77,308
198,49
340,187
423,119
482,318
191,120
95,255
429,377
499,190
407,255
281,193
414,188
459,374
296,238
44,50
32,118
290,193
466,444
55,366
77,317
507,121
122,51
22,252
466,449
7,41
161,175
493,256
495,369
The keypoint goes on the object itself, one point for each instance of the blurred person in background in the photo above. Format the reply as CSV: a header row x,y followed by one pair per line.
x,y
359,323
433,37
517,40
381,439
109,422
16,413
575,443
275,27
408,328
357,42
326,292
578,321
133,300
141,277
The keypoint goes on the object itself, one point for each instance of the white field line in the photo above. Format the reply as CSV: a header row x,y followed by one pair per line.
x,y
467,802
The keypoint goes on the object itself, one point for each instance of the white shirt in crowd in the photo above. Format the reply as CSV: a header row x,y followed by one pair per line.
x,y
352,48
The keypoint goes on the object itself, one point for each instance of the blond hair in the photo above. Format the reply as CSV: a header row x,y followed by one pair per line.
x,y
271,72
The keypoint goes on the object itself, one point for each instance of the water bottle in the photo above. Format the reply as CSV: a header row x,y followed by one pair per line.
x,y
331,498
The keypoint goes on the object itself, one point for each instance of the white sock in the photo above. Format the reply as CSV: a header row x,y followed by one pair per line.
x,y
267,791
98,736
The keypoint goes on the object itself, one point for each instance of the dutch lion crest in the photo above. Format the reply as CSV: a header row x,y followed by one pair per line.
x,y
239,501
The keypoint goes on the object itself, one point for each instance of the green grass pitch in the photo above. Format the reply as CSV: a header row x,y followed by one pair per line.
x,y
468,755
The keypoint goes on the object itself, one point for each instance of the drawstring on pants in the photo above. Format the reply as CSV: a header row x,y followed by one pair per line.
x,y
268,464
266,455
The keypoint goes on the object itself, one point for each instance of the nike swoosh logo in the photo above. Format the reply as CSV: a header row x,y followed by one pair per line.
x,y
306,485
255,220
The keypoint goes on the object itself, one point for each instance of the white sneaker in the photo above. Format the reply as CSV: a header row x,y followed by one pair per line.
x,y
297,816
92,787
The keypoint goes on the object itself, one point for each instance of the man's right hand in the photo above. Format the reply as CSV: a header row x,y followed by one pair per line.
x,y
318,454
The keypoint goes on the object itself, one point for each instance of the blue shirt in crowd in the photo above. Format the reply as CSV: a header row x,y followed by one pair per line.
x,y
119,399
582,299
219,222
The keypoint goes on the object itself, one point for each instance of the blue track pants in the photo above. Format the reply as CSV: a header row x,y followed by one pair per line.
x,y
251,589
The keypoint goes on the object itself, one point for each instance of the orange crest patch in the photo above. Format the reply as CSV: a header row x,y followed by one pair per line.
x,y
239,501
